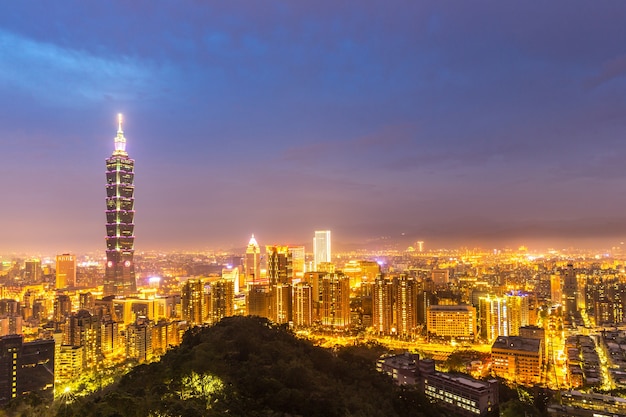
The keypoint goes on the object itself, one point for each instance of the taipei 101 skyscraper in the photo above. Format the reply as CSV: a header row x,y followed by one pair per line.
x,y
119,279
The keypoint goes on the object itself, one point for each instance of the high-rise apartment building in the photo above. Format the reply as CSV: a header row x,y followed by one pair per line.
x,y
405,302
382,306
335,305
321,248
32,271
252,262
65,271
302,304
119,277
221,300
192,301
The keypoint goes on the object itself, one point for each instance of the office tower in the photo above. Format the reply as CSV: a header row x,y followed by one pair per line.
x,y
26,368
302,304
405,306
335,306
570,292
32,271
279,265
119,277
232,274
221,300
420,246
297,260
65,271
321,248
382,309
252,262
192,301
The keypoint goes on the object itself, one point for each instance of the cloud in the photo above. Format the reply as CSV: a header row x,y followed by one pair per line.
x,y
71,77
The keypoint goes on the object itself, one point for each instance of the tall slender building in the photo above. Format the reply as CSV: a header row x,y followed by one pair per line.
x,y
252,262
119,278
321,248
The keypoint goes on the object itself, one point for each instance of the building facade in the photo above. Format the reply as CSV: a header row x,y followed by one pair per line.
x,y
119,277
321,248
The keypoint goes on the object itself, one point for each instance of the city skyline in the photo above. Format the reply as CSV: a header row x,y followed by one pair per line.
x,y
458,125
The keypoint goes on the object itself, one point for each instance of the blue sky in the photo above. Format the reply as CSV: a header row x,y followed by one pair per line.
x,y
460,124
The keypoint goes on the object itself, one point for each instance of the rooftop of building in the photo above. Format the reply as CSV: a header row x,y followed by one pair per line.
x,y
466,380
517,343
455,307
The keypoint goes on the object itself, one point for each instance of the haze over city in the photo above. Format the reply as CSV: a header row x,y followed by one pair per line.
x,y
456,124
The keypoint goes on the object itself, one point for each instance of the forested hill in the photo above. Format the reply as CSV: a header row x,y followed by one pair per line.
x,y
246,366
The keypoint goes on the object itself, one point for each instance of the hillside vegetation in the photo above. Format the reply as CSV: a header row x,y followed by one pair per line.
x,y
247,366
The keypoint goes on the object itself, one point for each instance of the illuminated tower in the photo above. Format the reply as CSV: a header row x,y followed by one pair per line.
x,y
119,278
253,262
321,248
65,271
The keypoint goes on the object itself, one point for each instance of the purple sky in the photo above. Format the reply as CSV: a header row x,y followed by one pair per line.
x,y
456,123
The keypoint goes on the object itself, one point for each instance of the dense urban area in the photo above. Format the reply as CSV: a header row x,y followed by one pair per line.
x,y
458,323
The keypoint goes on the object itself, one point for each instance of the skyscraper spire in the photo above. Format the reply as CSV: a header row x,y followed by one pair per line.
x,y
120,140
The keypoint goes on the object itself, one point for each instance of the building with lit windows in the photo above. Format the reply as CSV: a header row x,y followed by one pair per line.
x,y
517,359
302,304
279,265
335,305
26,367
252,262
321,248
139,341
382,306
405,303
494,317
119,279
192,301
65,271
459,393
221,300
298,256
32,271
84,329
570,291
451,322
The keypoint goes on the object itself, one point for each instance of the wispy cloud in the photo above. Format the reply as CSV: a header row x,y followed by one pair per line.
x,y
71,76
